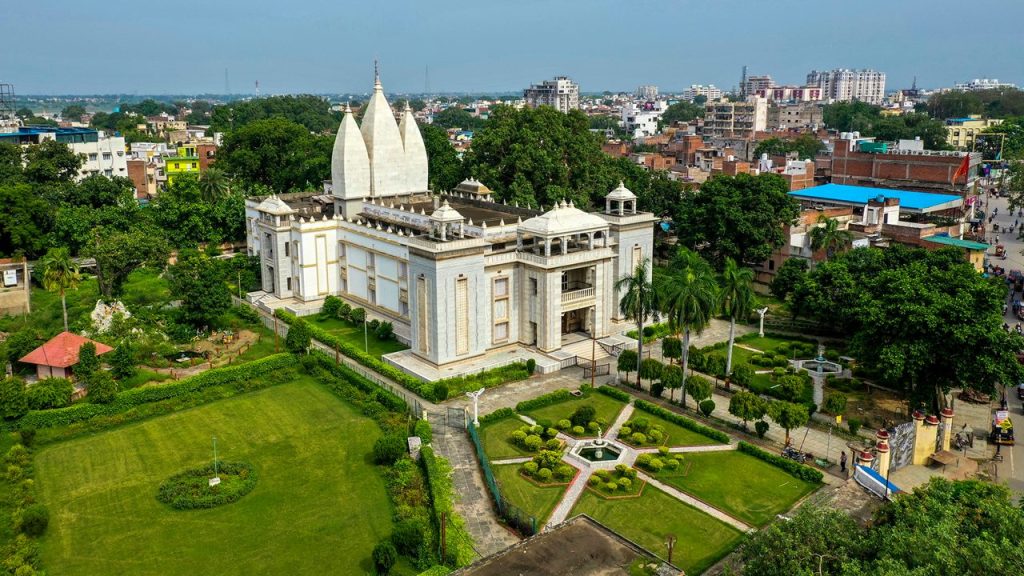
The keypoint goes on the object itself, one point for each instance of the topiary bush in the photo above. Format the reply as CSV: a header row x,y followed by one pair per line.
x,y
191,489
531,366
611,486
671,463
564,472
578,431
625,483
854,425
593,481
384,555
388,449
34,520
638,438
625,431
761,427
544,474
553,444
582,415
563,424
530,467
533,442
707,407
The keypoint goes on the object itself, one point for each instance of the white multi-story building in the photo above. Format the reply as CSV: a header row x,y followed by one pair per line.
x,y
725,119
640,120
709,92
561,94
982,84
757,85
459,274
101,153
647,92
843,85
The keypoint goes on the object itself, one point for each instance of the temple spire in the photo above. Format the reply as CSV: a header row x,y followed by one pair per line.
x,y
376,75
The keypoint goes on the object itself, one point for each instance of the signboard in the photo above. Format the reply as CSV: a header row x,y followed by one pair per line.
x,y
839,418
10,278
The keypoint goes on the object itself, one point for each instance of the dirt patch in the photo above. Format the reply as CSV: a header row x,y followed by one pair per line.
x,y
875,409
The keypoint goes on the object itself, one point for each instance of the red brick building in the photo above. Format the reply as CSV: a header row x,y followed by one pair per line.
x,y
922,170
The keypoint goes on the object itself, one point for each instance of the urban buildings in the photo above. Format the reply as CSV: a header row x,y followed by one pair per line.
x,y
101,153
561,93
647,92
458,274
843,85
724,119
795,116
640,120
982,84
185,161
961,132
756,85
907,165
709,92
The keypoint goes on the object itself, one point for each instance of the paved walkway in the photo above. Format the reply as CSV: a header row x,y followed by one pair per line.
x,y
705,508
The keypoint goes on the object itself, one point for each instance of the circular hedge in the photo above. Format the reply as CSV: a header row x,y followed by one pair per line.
x,y
191,489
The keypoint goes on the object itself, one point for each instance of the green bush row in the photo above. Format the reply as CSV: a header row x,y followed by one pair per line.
x,y
456,385
615,393
796,469
411,383
138,396
389,399
544,400
681,421
442,496
436,571
499,414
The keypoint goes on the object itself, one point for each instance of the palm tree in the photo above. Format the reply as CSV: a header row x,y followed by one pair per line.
x,y
213,185
829,236
737,298
690,297
60,274
637,303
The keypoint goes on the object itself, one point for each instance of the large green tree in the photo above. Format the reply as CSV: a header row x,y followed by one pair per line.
x,y
736,294
312,112
60,274
457,117
682,112
444,167
118,254
689,297
829,236
277,153
637,302
201,284
739,217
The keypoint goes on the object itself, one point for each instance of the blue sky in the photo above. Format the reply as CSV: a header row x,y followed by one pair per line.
x,y
94,46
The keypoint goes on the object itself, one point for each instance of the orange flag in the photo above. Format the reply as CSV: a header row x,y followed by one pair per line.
x,y
965,166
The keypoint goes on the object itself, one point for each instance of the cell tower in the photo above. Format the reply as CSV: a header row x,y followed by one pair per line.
x,y
8,118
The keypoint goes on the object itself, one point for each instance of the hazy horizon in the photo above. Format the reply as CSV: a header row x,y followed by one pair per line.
x,y
86,48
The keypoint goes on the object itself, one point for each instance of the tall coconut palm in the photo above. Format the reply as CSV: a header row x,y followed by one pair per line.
x,y
213,185
60,274
829,237
637,303
689,297
736,294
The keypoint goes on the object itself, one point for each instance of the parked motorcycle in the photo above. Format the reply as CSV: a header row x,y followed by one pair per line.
x,y
794,454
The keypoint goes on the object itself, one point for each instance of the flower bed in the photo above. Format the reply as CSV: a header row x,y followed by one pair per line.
x,y
191,489
548,466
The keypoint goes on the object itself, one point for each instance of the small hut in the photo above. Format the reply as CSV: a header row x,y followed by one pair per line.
x,y
57,357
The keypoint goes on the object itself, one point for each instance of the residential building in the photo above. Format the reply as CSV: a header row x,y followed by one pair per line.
x,y
709,92
982,84
790,93
207,153
640,120
843,85
908,166
101,153
725,119
186,161
800,116
561,94
459,274
143,177
647,92
757,85
15,287
961,132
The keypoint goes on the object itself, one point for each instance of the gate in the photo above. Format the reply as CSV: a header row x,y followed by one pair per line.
x,y
901,444
599,370
456,417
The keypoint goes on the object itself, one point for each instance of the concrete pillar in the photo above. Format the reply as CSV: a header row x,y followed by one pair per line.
x,y
865,459
882,448
547,247
947,426
918,459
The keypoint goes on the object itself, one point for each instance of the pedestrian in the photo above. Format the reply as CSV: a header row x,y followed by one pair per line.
x,y
842,462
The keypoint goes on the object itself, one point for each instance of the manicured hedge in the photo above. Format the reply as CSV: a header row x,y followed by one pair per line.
x,y
545,400
442,496
499,414
191,490
411,383
436,571
138,396
681,421
389,399
796,469
615,393
456,385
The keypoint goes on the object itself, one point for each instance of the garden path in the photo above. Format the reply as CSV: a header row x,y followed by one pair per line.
x,y
698,504
623,417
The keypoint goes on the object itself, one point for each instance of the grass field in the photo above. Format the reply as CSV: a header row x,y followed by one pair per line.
x,y
531,498
739,484
354,336
605,407
495,438
702,540
677,435
318,506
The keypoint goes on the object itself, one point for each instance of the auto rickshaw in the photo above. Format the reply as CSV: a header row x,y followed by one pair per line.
x,y
1002,428
1001,251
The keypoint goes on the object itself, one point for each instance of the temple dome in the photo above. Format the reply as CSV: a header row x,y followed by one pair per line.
x,y
561,220
350,163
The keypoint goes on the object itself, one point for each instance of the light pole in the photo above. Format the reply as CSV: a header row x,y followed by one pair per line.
x,y
476,405
762,312
216,474
366,337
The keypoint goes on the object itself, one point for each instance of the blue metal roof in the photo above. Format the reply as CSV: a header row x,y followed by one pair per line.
x,y
859,195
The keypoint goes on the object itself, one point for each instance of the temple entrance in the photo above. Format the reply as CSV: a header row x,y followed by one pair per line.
x,y
574,321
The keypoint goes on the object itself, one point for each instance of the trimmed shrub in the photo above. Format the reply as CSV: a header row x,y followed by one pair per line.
x,y
638,438
530,467
611,486
102,388
553,444
795,469
625,483
49,393
743,376
681,421
761,427
578,431
604,475
854,425
422,429
544,474
299,338
640,424
592,426
582,415
657,389
663,451
384,555
190,490
593,481
357,316
531,366
533,442
442,499
614,393
707,407
565,472
625,431
551,432
331,307
671,463
388,449
410,536
563,424
499,414
644,460
835,403
656,436
440,391
537,429
544,400
34,520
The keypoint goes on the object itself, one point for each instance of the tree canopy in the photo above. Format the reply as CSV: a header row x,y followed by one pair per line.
x,y
457,117
278,153
311,112
805,145
444,167
868,120
682,112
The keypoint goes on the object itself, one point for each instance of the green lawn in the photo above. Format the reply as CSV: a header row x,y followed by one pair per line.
x,y
531,498
743,486
677,435
767,343
702,540
319,505
494,436
143,376
605,407
740,355
354,335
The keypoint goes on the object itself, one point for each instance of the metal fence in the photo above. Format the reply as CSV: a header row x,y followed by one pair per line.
x,y
599,370
515,517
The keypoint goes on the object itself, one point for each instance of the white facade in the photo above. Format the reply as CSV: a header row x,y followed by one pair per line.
x,y
458,275
647,92
561,94
983,84
725,119
641,119
843,85
709,92
106,156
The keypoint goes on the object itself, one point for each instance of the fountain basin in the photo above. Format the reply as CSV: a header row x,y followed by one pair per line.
x,y
599,450
824,366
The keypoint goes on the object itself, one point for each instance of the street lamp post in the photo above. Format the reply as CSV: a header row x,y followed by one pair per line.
x,y
476,405
762,312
